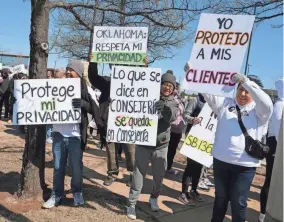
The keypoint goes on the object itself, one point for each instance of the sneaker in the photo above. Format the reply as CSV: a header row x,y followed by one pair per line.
x,y
53,201
186,199
129,181
49,140
154,204
78,199
208,183
196,196
131,213
172,171
202,186
109,180
261,218
119,159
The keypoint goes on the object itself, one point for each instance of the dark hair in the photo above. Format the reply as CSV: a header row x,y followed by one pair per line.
x,y
254,79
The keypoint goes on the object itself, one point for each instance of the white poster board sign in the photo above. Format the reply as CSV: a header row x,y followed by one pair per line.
x,y
46,101
218,53
120,45
199,141
132,115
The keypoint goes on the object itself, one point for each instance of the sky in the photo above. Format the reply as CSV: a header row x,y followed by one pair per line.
x,y
266,56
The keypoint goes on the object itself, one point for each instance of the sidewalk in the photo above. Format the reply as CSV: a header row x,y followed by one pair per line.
x,y
171,208
102,203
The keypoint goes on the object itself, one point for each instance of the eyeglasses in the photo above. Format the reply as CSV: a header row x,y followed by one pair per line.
x,y
168,85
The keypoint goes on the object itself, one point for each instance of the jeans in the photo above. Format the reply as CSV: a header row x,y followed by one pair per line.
x,y
232,183
193,171
173,145
67,148
272,143
5,100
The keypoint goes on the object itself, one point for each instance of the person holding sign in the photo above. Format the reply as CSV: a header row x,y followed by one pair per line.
x,y
103,84
69,141
234,168
177,129
167,109
193,169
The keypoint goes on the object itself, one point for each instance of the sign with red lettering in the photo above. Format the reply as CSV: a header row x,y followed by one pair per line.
x,y
218,53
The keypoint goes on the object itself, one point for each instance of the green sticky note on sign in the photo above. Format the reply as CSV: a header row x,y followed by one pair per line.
x,y
131,58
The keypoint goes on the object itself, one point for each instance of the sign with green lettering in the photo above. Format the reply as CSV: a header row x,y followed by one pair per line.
x,y
132,115
120,45
46,101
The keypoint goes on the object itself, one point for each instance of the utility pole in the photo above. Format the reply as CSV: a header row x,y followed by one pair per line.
x,y
249,46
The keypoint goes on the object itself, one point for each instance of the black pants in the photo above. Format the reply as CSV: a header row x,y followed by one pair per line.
x,y
272,143
91,131
119,149
173,144
5,100
193,171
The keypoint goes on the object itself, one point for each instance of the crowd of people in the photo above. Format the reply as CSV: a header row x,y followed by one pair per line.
x,y
233,167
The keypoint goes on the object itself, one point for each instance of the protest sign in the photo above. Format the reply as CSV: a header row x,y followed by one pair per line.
x,y
46,101
18,69
120,45
218,52
199,142
132,115
0,66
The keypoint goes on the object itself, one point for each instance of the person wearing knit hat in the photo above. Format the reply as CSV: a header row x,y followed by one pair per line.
x,y
75,69
167,109
69,142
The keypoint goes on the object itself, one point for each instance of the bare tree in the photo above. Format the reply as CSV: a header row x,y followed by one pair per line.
x,y
168,23
263,9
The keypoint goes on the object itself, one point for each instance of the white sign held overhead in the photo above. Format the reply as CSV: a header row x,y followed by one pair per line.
x,y
120,45
218,53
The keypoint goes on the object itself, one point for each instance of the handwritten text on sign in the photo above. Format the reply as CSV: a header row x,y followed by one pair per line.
x,y
218,52
199,142
120,45
46,101
132,115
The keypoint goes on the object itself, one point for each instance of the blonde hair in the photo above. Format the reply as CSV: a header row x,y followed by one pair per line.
x,y
60,73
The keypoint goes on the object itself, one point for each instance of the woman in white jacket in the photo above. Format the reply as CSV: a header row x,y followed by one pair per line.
x,y
234,169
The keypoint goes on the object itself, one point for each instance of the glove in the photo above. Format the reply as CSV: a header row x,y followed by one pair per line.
x,y
159,105
78,103
187,67
239,78
13,99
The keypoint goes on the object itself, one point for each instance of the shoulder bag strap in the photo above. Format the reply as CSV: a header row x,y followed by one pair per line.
x,y
242,126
